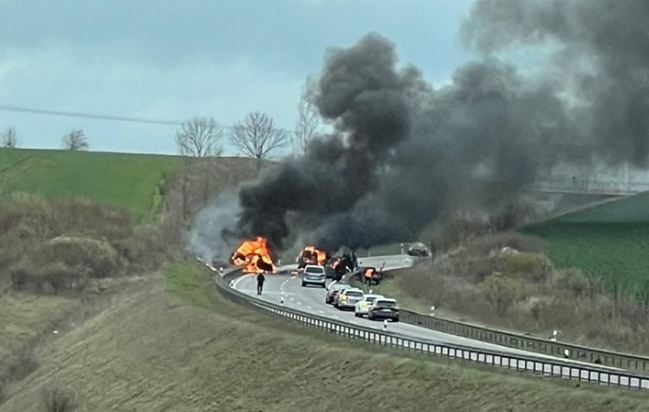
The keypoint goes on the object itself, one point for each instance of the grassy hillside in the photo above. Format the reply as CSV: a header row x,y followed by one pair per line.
x,y
608,240
190,350
114,179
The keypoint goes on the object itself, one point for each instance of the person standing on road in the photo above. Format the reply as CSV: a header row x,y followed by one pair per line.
x,y
368,276
260,282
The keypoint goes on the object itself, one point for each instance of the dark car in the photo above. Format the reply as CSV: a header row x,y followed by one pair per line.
x,y
338,266
332,291
418,249
384,309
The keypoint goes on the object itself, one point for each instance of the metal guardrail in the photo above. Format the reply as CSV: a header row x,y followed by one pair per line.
x,y
592,374
528,343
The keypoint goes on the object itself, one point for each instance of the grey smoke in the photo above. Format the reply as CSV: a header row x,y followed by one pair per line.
x,y
601,58
404,152
208,238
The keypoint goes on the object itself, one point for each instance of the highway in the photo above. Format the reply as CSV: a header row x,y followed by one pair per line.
x,y
311,300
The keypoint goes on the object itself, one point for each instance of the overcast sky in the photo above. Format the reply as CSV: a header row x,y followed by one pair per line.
x,y
171,60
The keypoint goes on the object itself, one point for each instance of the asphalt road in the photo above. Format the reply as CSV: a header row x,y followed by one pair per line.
x,y
311,300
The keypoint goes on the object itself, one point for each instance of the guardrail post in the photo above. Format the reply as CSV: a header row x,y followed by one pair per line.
x,y
385,324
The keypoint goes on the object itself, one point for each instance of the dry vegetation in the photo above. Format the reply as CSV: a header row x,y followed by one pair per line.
x,y
155,351
64,260
505,280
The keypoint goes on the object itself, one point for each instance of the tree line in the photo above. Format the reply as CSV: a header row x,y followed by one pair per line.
x,y
255,136
73,140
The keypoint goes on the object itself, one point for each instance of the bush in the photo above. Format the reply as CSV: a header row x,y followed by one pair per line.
x,y
18,366
531,267
501,292
96,258
51,247
56,399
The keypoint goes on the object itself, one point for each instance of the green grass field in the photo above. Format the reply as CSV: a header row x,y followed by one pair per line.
x,y
608,240
115,179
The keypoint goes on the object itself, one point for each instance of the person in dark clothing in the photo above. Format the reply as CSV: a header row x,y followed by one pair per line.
x,y
260,282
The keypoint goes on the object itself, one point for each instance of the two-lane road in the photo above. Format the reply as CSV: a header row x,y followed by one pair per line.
x,y
312,300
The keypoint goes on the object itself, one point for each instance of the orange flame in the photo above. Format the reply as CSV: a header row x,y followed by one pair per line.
x,y
313,256
254,256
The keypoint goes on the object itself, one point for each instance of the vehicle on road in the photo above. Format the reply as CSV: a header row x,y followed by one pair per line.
x,y
332,291
314,275
364,305
384,308
311,256
338,266
347,298
418,249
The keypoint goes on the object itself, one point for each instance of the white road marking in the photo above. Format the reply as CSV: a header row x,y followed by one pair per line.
x,y
336,317
298,302
321,311
236,282
309,307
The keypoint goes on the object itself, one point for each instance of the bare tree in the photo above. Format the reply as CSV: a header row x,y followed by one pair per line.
x,y
256,136
75,140
200,137
9,138
308,121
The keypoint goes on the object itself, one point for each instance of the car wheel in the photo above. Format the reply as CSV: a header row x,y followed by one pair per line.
x,y
303,284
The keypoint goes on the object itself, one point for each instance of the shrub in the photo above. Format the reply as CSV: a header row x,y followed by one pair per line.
x,y
19,366
501,292
55,399
96,258
531,267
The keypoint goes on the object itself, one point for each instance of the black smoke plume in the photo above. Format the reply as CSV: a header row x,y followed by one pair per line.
x,y
403,153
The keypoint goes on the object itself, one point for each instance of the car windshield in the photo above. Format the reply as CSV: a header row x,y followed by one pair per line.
x,y
371,298
314,270
386,304
354,294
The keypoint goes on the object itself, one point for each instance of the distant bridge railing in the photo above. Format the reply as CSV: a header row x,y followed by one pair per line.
x,y
589,186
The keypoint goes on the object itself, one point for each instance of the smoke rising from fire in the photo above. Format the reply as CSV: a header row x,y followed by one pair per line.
x,y
404,152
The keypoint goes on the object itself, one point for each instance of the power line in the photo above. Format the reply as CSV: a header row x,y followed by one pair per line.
x,y
10,108
88,115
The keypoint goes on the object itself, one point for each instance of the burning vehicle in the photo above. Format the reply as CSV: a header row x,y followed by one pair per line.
x,y
337,266
311,256
254,256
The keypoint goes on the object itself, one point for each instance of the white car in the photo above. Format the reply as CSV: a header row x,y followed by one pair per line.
x,y
363,306
347,298
314,275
